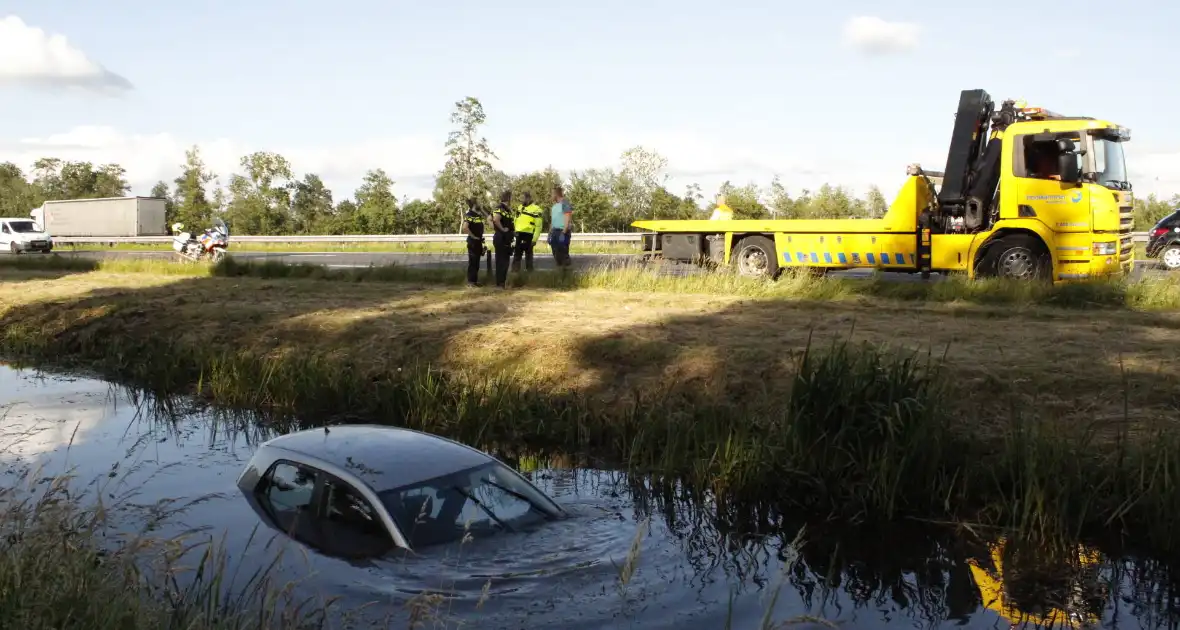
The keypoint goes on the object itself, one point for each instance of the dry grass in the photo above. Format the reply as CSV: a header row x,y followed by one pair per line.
x,y
1071,364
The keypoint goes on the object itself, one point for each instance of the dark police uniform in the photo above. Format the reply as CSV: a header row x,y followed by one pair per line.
x,y
502,242
474,222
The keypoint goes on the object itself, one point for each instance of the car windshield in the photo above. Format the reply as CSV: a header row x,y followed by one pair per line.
x,y
1110,164
478,501
23,227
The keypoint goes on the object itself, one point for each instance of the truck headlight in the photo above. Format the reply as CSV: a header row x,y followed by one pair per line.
x,y
1105,249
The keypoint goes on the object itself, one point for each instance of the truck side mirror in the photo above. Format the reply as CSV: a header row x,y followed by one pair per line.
x,y
1067,166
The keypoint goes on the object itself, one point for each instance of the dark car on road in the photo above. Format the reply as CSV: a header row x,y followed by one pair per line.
x,y
1163,241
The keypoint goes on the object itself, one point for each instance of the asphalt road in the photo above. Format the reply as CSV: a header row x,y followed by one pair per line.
x,y
343,260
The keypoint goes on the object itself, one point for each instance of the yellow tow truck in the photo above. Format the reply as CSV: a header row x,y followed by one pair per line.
x,y
1026,193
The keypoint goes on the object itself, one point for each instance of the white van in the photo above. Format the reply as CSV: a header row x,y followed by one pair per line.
x,y
24,235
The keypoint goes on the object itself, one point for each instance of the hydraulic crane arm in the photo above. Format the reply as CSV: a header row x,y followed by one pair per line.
x,y
973,159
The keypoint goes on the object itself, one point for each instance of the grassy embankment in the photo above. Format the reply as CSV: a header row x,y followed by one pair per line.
x,y
1049,411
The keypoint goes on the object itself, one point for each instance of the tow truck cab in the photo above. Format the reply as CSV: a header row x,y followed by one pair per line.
x,y
1025,193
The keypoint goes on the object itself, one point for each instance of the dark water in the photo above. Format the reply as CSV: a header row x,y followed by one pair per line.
x,y
692,564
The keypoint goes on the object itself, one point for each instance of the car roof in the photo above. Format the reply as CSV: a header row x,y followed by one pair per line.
x,y
17,219
382,457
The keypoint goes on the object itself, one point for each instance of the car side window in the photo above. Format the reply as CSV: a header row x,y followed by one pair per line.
x,y
4,228
349,509
290,486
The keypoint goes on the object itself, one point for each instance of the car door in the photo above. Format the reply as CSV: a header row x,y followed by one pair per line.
x,y
5,235
287,493
351,526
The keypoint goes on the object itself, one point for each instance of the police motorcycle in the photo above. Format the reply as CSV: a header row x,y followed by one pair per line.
x,y
210,245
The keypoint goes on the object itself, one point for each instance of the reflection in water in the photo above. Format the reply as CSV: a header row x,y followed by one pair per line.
x,y
635,552
1042,591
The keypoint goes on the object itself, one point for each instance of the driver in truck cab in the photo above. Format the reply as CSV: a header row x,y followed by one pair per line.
x,y
1043,164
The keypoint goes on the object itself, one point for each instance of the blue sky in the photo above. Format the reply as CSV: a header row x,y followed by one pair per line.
x,y
725,90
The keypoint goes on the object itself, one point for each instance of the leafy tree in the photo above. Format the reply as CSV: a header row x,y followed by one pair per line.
x,y
781,205
192,198
590,193
539,184
57,179
17,196
421,216
745,201
376,211
468,171
876,203
311,205
342,219
834,202
641,175
260,200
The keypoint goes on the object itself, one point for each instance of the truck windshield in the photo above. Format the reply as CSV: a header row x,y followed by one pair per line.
x,y
1110,164
23,227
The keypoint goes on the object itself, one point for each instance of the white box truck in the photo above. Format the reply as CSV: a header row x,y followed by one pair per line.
x,y
113,216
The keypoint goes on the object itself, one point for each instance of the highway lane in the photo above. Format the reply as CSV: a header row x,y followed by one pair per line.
x,y
345,260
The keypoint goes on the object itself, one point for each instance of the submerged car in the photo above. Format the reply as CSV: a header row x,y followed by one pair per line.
x,y
364,490
1163,241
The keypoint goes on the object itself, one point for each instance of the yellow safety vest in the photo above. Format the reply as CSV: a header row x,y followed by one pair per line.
x,y
528,218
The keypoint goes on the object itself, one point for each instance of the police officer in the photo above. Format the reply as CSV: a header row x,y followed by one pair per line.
x,y
503,221
473,228
528,228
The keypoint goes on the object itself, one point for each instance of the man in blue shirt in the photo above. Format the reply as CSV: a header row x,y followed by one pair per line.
x,y
560,222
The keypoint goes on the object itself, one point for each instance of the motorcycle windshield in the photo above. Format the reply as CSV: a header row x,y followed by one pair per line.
x,y
220,226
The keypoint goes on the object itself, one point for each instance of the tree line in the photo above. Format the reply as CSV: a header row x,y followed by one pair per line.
x,y
267,197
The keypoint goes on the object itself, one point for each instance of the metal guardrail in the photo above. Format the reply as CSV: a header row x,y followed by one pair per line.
x,y
602,237
610,237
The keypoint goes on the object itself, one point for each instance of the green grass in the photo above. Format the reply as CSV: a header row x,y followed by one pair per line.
x,y
582,247
61,569
1150,293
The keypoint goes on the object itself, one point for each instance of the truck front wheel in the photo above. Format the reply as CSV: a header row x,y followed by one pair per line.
x,y
1019,257
755,257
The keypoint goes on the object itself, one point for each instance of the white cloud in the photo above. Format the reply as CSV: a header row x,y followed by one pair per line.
x,y
874,36
30,56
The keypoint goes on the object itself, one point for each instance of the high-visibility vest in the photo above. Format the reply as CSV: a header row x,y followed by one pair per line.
x,y
722,213
528,219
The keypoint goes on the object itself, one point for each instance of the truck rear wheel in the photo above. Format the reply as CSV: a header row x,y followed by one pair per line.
x,y
1020,257
756,258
